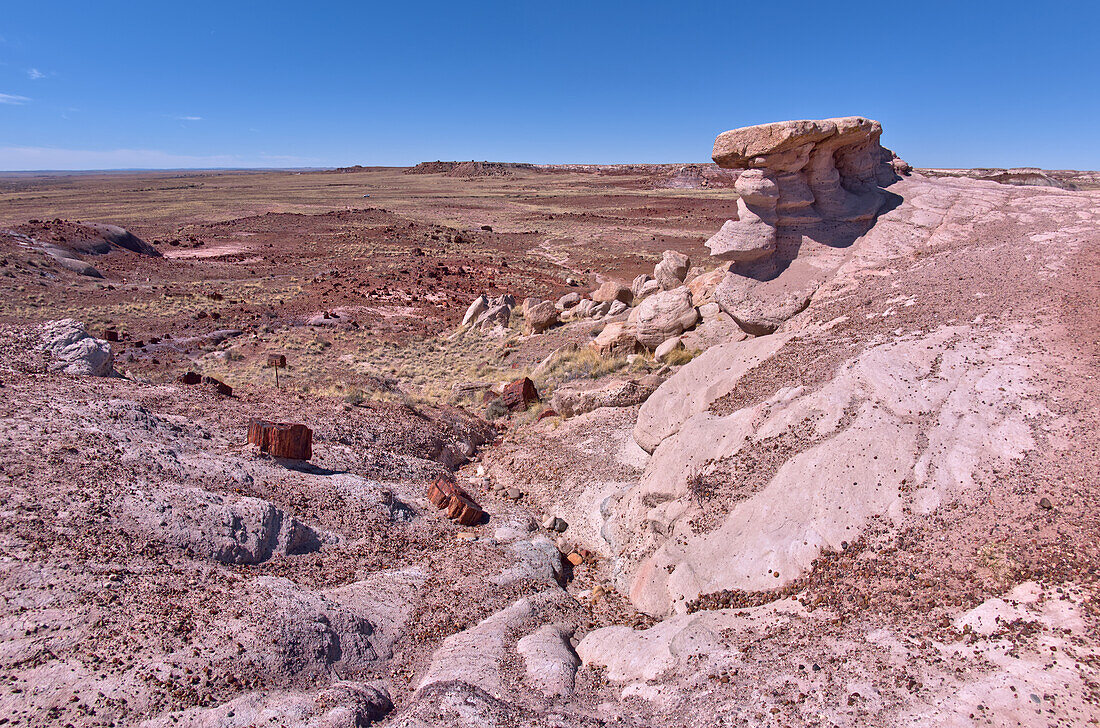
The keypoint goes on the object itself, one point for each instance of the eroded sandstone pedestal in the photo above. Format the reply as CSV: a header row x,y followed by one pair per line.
x,y
799,173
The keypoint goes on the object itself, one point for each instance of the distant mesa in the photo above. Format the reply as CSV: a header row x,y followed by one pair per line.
x,y
471,168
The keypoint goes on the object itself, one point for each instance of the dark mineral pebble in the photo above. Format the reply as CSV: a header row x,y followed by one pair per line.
x,y
1045,503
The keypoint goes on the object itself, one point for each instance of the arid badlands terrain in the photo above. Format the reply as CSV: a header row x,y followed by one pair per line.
x,y
816,443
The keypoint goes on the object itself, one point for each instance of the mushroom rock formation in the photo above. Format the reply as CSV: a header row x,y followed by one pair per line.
x,y
799,173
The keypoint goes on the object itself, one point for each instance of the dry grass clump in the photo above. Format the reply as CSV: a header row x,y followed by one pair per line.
x,y
681,356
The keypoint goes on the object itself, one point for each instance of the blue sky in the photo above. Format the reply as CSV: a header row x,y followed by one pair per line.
x,y
155,84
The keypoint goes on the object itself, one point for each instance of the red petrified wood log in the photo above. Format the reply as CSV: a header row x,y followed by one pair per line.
x,y
445,493
281,440
519,394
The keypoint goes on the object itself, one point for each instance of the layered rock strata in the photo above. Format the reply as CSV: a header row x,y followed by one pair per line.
x,y
797,173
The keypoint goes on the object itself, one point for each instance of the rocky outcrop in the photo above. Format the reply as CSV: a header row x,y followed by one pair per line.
x,y
569,401
477,307
818,181
799,172
549,659
227,529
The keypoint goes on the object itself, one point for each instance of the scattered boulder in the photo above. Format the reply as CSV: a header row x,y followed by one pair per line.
x,y
617,339
662,316
600,309
541,316
613,291
671,270
479,306
72,350
569,300
498,315
616,308
667,347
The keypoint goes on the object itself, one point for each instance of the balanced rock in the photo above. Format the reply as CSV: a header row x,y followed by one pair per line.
x,y
662,316
672,270
800,172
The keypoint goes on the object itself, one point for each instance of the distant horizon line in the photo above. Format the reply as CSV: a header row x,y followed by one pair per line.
x,y
324,168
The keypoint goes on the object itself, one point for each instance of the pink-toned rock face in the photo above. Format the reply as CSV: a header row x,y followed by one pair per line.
x,y
737,148
799,173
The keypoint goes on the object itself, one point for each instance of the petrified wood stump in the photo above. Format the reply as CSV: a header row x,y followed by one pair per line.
x,y
281,440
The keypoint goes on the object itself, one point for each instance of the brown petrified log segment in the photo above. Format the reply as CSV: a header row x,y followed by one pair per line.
x,y
219,386
281,440
519,394
190,378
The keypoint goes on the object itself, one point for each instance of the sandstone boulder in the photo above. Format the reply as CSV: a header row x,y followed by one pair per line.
x,y
477,307
617,339
569,300
671,270
662,316
72,350
498,315
613,291
662,352
541,316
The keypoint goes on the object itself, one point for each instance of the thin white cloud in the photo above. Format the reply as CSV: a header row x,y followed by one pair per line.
x,y
188,118
36,158
13,100
34,74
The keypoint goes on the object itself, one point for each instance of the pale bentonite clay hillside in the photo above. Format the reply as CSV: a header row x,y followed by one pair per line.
x,y
815,443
